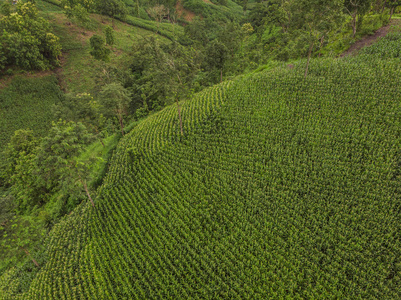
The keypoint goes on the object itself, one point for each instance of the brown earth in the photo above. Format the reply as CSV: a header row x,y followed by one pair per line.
x,y
184,13
371,39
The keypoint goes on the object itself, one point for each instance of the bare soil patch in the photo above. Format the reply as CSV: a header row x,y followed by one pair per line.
x,y
184,13
369,40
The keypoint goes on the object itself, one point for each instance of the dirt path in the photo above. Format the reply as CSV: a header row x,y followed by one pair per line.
x,y
369,40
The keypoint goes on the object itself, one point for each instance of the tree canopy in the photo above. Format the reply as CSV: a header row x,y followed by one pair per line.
x,y
26,40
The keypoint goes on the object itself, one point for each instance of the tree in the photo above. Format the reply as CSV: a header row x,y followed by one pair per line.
x,y
26,40
356,8
155,66
20,234
81,108
23,142
98,48
18,167
76,175
78,13
216,55
109,33
5,8
65,141
392,5
112,8
196,31
115,100
313,20
88,5
158,12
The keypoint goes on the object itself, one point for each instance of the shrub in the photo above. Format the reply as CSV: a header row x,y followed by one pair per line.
x,y
99,51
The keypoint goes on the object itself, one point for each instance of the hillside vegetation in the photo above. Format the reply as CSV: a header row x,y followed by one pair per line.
x,y
280,187
25,103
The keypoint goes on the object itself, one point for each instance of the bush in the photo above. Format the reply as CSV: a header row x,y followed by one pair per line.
x,y
99,51
109,33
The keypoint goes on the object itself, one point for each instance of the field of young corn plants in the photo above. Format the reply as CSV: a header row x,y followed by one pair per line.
x,y
281,188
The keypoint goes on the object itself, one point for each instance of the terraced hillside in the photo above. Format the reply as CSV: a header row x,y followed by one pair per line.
x,y
281,187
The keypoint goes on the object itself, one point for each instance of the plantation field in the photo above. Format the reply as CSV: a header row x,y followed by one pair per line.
x,y
281,187
25,103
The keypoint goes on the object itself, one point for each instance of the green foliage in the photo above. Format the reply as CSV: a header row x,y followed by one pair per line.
x,y
213,12
26,103
276,176
112,8
197,31
88,5
169,31
109,33
386,48
161,72
80,108
23,143
79,14
115,101
6,8
216,55
98,48
65,141
20,234
26,40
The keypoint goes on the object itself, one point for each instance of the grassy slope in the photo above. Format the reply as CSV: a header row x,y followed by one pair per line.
x,y
79,69
281,187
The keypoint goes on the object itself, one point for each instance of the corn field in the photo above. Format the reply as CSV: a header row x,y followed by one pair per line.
x,y
281,188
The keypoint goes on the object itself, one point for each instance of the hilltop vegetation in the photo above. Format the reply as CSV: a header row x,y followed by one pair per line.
x,y
281,187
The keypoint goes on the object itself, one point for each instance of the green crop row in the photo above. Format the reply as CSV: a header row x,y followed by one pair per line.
x,y
26,104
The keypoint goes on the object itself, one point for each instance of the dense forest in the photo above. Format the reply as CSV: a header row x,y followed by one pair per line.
x,y
200,149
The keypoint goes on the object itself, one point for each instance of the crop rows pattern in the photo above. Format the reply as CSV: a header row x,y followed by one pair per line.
x,y
282,187
26,104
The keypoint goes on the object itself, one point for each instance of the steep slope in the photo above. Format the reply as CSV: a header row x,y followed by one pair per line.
x,y
281,187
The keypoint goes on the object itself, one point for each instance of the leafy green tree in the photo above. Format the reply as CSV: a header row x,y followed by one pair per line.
x,y
18,169
244,5
26,40
79,14
196,31
22,143
392,5
81,108
355,8
65,141
154,72
98,48
109,33
115,100
112,8
216,56
19,235
75,177
313,20
88,5
5,8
